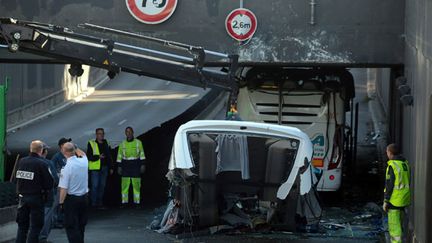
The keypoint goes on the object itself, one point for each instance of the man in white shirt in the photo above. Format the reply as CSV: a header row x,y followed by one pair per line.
x,y
73,187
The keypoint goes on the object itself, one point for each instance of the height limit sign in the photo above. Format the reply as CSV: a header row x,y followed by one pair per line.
x,y
241,24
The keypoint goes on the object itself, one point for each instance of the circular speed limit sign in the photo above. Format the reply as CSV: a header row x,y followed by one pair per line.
x,y
241,24
151,11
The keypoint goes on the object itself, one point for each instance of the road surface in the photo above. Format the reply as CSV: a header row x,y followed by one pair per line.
x,y
128,100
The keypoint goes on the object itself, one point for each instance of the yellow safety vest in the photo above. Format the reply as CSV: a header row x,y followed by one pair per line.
x,y
401,195
130,150
94,165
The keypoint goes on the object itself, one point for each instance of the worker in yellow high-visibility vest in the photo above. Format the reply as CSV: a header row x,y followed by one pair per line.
x,y
131,164
397,194
100,163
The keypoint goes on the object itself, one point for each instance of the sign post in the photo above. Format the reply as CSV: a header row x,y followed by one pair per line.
x,y
151,11
241,24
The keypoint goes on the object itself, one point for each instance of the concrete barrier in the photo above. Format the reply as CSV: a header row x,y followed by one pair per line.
x,y
73,90
8,226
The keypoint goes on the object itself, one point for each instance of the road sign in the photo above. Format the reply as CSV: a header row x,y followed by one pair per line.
x,y
241,24
151,11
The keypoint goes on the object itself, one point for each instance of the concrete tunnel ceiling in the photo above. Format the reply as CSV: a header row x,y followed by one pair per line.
x,y
342,35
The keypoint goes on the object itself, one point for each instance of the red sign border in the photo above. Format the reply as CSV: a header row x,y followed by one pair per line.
x,y
151,19
232,14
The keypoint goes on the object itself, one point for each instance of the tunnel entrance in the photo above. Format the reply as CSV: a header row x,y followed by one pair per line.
x,y
369,84
372,86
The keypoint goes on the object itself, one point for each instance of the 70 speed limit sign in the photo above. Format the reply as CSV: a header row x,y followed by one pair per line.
x,y
241,24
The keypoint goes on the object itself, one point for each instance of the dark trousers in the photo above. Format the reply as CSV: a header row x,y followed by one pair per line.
x,y
30,215
98,181
75,211
50,212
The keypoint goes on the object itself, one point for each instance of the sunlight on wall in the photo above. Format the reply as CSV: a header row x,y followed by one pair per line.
x,y
134,95
75,86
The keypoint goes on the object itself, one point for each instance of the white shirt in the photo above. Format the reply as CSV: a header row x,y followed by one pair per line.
x,y
74,176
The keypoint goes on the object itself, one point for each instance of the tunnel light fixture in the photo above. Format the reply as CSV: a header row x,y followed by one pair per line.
x,y
404,89
407,100
401,80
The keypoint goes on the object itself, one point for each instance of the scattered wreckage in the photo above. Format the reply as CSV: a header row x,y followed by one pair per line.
x,y
236,174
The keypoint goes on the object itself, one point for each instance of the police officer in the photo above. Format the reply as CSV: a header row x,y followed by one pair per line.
x,y
131,160
34,183
100,161
73,187
397,194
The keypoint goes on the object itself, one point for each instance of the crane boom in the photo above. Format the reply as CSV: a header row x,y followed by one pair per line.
x,y
64,45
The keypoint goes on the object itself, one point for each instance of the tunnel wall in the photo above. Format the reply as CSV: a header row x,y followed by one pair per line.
x,y
417,119
379,84
411,126
382,76
39,88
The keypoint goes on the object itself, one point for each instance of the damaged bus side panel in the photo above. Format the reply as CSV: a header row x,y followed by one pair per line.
x,y
242,174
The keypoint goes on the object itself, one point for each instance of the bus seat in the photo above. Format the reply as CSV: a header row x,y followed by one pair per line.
x,y
312,85
332,85
279,164
203,150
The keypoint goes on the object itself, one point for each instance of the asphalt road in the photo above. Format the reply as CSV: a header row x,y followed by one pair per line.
x,y
128,100
131,225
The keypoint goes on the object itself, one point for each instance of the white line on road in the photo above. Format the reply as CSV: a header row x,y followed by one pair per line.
x,y
147,102
122,122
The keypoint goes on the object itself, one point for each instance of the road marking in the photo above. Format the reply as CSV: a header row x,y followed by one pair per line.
x,y
147,102
122,122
